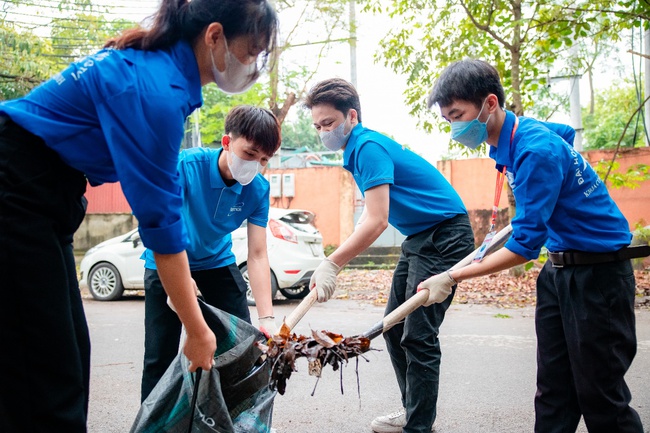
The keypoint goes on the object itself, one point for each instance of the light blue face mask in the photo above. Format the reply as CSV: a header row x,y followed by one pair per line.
x,y
470,133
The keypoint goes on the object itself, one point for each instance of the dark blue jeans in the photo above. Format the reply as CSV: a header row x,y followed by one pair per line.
x,y
586,341
223,288
45,361
413,345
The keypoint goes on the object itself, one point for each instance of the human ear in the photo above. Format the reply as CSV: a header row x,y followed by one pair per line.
x,y
353,116
492,102
225,142
213,32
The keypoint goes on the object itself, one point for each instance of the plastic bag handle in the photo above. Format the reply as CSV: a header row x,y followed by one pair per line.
x,y
197,380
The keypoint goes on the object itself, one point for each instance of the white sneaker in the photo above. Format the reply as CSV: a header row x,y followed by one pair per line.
x,y
391,423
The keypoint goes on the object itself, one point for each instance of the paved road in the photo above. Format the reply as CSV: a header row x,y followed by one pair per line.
x,y
487,382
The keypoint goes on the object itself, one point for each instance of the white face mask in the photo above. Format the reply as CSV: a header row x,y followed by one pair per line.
x,y
336,138
242,171
237,77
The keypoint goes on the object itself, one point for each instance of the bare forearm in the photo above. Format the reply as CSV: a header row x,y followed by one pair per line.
x,y
498,261
259,275
174,272
365,234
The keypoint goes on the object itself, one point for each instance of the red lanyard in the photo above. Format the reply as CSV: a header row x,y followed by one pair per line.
x,y
501,175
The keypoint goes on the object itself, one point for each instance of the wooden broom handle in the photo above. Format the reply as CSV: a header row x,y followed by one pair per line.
x,y
294,317
417,300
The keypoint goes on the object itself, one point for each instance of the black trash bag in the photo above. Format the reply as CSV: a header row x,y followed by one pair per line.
x,y
233,397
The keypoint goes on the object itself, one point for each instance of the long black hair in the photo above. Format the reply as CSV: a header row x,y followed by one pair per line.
x,y
185,20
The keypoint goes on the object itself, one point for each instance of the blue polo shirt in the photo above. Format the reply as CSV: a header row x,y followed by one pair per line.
x,y
561,201
118,115
212,210
420,196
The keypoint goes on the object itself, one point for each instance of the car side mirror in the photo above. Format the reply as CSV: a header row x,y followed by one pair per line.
x,y
136,241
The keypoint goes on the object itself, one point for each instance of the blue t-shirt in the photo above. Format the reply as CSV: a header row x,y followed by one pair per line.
x,y
212,210
561,201
420,196
118,115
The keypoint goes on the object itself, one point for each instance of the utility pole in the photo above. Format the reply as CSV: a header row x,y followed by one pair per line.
x,y
574,100
353,43
646,61
576,111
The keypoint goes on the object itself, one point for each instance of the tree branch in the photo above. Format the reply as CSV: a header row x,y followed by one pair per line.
x,y
485,27
19,78
618,145
645,56
608,11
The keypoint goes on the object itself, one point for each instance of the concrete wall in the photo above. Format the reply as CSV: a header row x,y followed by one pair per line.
x,y
99,227
326,191
634,203
474,180
108,215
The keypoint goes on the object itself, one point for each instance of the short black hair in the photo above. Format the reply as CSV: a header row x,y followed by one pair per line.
x,y
469,80
255,124
336,92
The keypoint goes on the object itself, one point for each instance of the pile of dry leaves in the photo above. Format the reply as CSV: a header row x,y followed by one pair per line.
x,y
502,290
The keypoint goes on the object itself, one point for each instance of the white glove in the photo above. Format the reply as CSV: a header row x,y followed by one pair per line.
x,y
267,325
324,279
439,288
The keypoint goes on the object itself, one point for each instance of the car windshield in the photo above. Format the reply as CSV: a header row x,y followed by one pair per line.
x,y
300,221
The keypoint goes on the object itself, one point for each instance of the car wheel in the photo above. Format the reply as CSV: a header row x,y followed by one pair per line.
x,y
249,292
105,283
295,292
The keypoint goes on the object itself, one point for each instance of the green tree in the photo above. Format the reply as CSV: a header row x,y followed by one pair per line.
x,y
612,109
525,40
286,81
217,104
305,24
26,61
82,34
75,28
301,133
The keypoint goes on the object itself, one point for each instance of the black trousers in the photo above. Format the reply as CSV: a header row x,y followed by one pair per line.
x,y
223,288
586,341
45,362
413,345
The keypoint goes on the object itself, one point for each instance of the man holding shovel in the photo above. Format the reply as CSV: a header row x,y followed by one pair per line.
x,y
402,189
586,338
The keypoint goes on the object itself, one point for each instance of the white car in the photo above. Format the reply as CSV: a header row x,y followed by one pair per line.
x,y
295,249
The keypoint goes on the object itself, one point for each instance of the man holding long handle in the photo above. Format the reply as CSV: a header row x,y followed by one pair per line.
x,y
585,323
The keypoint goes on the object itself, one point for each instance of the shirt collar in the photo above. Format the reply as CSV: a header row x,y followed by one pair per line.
x,y
501,153
216,181
351,144
183,55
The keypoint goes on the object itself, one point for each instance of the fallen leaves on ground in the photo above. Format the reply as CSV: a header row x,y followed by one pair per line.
x,y
501,289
